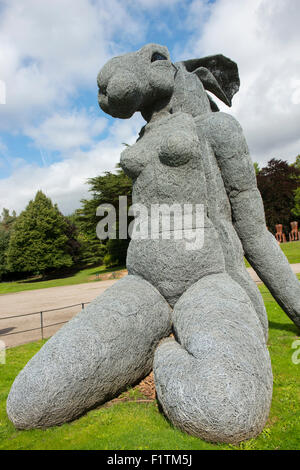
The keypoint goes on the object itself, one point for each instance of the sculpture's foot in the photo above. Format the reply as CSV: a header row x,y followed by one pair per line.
x,y
215,381
104,349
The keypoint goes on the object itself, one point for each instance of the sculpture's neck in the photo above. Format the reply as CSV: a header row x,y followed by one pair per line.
x,y
189,95
157,111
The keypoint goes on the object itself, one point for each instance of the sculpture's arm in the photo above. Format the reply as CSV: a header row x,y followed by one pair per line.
x,y
261,249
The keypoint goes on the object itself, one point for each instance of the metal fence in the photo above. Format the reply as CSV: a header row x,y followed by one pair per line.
x,y
42,327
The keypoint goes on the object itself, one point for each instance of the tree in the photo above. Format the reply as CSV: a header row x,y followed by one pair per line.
x,y
297,162
39,241
92,251
6,225
256,168
116,252
296,208
277,183
7,220
73,244
4,242
105,189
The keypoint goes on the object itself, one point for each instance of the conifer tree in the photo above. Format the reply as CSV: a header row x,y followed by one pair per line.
x,y
105,189
39,241
7,221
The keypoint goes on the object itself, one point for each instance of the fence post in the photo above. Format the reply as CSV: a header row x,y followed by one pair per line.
x,y
42,325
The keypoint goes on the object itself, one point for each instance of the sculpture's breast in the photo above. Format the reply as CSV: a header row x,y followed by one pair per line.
x,y
166,163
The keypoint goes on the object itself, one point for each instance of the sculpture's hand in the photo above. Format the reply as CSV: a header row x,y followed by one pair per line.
x,y
261,249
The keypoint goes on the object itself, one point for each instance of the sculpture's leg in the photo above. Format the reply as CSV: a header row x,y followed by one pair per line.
x,y
104,349
235,267
243,278
215,381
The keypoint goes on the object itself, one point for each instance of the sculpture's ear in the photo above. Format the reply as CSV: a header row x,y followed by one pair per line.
x,y
218,74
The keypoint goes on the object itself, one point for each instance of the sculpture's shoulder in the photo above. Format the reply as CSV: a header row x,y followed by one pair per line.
x,y
218,124
184,119
222,130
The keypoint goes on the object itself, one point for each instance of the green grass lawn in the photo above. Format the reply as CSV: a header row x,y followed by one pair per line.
x,y
133,425
82,276
291,251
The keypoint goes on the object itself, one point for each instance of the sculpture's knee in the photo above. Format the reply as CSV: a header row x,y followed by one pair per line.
x,y
95,356
209,399
216,381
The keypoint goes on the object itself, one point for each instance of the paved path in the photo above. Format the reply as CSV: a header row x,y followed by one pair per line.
x,y
295,267
53,297
20,303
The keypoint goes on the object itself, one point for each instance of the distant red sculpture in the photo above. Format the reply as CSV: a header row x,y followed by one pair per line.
x,y
280,236
294,232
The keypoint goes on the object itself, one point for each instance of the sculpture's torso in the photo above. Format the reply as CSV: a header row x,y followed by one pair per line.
x,y
218,205
174,163
166,165
190,97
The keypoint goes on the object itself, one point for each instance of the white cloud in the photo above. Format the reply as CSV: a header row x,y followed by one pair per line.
x,y
263,37
64,181
155,6
48,52
48,49
197,14
67,131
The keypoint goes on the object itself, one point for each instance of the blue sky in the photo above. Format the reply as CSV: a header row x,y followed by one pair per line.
x,y
53,136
